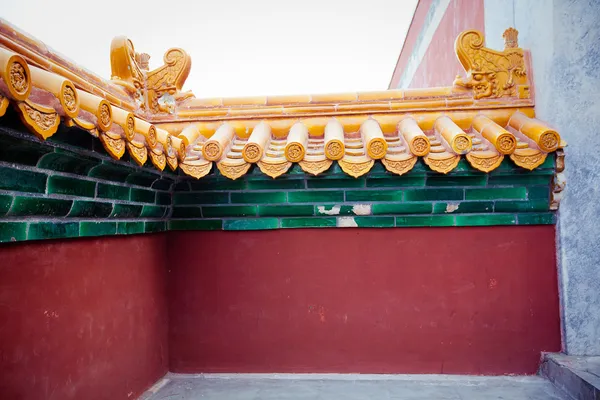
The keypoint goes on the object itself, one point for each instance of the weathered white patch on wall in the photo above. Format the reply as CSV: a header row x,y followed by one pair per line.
x,y
362,209
451,207
346,222
335,210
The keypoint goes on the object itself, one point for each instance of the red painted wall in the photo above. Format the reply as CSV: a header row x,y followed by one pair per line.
x,y
440,66
479,300
82,319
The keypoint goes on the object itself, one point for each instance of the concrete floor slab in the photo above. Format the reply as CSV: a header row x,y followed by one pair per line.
x,y
349,387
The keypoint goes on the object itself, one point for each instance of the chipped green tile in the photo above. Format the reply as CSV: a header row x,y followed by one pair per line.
x,y
163,198
429,220
52,230
433,194
97,228
336,209
71,186
485,219
365,222
13,231
397,181
548,218
456,180
315,222
522,206
285,211
250,224
68,162
200,198
115,192
40,206
22,181
186,212
401,208
258,197
276,184
153,212
130,227
463,207
496,193
90,209
196,224
155,226
5,203
142,196
314,183
315,196
126,211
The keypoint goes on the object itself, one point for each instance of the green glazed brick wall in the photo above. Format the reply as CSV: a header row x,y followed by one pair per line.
x,y
509,195
69,186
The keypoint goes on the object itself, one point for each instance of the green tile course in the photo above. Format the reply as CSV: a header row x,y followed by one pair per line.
x,y
40,206
368,222
433,194
496,193
162,184
97,228
521,206
538,192
187,212
396,181
113,191
142,196
463,207
52,230
142,179
334,183
22,181
5,203
250,224
485,219
130,227
155,226
547,218
433,220
68,162
13,231
315,196
228,211
401,208
286,211
374,195
315,222
126,211
258,197
14,150
212,184
196,224
153,212
335,209
520,179
163,198
71,186
200,198
90,209
436,180
276,184
111,172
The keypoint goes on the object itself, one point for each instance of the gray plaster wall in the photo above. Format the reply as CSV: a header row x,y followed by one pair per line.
x,y
564,39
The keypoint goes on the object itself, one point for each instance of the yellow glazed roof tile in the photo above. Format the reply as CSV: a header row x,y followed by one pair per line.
x,y
483,116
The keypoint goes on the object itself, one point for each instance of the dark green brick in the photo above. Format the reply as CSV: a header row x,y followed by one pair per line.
x,y
22,181
97,228
142,178
217,184
496,193
71,186
314,183
155,226
126,211
285,211
485,219
12,231
21,151
113,192
315,196
334,209
162,184
433,194
130,227
464,207
522,179
142,196
430,220
74,137
200,198
40,206
52,230
250,224
522,206
186,212
258,197
182,186
196,224
228,211
456,180
402,208
5,203
368,222
163,198
276,184
538,192
548,218
68,162
111,172
90,209
397,181
374,195
153,212
308,222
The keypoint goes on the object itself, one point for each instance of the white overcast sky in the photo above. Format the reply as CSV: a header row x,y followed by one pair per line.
x,y
238,48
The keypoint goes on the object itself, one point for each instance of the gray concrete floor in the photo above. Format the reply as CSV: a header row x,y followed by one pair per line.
x,y
349,387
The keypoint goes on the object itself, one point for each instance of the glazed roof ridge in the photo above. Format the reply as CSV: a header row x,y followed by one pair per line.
x,y
484,116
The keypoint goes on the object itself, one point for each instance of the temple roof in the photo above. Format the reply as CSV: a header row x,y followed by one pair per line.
x,y
484,116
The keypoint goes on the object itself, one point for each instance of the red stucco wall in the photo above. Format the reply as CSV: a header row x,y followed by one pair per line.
x,y
82,319
480,300
440,66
